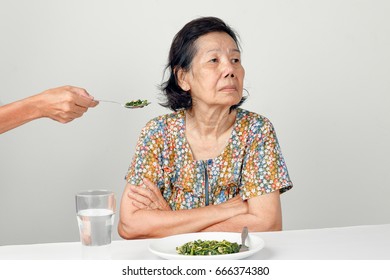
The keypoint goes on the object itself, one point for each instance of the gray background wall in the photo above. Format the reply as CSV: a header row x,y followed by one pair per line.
x,y
318,69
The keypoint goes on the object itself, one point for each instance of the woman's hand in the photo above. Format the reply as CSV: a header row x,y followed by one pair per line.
x,y
147,196
64,104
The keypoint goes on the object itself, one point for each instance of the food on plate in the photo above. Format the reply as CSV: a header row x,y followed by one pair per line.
x,y
208,247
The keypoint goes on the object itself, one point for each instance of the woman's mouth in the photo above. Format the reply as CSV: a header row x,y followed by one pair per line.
x,y
228,89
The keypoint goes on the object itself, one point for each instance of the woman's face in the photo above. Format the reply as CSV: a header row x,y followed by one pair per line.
x,y
216,75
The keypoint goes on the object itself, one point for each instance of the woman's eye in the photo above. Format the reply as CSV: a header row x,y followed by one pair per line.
x,y
214,60
235,60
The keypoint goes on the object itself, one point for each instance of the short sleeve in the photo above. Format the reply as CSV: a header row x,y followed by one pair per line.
x,y
145,162
264,168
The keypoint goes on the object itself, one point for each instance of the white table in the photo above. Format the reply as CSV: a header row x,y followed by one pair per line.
x,y
371,242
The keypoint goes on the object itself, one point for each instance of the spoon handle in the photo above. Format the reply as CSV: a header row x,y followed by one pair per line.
x,y
244,235
99,100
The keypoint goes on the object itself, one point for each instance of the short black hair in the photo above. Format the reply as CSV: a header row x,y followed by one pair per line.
x,y
181,54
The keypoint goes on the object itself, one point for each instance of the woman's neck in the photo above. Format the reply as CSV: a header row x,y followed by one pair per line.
x,y
208,133
210,124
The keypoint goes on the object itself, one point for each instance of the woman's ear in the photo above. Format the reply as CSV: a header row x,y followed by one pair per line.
x,y
181,75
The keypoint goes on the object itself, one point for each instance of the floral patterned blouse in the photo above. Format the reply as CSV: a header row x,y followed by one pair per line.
x,y
250,165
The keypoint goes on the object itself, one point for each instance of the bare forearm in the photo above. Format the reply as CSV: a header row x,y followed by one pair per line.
x,y
139,220
264,214
155,223
62,104
235,224
17,113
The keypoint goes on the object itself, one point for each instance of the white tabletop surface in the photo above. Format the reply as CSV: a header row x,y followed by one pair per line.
x,y
370,242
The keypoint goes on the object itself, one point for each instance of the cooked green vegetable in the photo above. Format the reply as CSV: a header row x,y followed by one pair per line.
x,y
137,103
208,247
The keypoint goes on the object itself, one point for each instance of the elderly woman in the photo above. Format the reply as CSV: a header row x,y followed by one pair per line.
x,y
209,165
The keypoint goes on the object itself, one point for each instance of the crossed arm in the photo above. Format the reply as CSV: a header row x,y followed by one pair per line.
x,y
144,213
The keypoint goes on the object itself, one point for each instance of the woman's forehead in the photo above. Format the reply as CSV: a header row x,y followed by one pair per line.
x,y
215,42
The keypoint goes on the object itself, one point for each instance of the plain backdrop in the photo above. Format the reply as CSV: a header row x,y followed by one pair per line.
x,y
319,70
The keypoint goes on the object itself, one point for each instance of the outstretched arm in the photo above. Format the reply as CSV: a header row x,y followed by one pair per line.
x,y
62,104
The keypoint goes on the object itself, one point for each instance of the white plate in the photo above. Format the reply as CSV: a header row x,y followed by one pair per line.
x,y
166,247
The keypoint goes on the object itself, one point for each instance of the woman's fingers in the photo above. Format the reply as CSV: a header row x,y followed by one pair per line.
x,y
147,196
141,205
152,187
159,201
141,195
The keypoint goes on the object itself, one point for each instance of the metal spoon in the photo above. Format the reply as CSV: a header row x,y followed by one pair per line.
x,y
244,235
124,105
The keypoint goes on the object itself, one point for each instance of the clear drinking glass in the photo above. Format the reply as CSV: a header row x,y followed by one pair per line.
x,y
95,215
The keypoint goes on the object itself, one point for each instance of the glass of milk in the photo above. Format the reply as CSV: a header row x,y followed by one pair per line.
x,y
95,215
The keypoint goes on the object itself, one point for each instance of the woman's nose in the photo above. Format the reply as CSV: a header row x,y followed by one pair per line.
x,y
231,75
228,70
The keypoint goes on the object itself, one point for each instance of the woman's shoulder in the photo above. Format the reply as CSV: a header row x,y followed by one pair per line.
x,y
252,120
165,121
253,126
168,118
